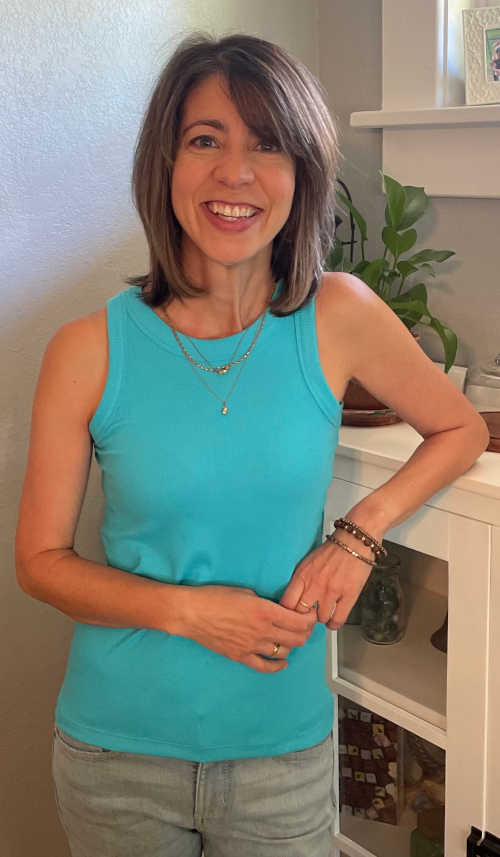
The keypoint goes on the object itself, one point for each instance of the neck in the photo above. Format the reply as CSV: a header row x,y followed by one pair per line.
x,y
220,312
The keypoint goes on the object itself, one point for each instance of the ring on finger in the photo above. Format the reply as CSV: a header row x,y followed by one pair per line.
x,y
332,612
277,647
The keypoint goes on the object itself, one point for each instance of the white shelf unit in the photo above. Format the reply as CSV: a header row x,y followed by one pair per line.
x,y
451,700
428,141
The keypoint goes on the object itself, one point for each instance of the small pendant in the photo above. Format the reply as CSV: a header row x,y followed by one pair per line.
x,y
222,370
224,410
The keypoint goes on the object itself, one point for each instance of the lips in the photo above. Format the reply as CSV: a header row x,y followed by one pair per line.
x,y
237,224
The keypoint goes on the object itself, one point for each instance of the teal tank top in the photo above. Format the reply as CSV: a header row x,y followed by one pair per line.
x,y
193,497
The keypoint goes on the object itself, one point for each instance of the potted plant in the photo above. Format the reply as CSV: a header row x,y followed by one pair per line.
x,y
388,275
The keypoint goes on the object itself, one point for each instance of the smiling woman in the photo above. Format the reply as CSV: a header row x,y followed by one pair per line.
x,y
211,392
208,109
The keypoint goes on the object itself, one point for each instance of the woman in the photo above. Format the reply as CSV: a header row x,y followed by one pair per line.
x,y
195,709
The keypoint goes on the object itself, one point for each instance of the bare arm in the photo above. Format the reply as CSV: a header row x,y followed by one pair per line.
x,y
71,380
388,361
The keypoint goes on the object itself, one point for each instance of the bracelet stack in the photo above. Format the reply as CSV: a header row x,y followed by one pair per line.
x,y
377,549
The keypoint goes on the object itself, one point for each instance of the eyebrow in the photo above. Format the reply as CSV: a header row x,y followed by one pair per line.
x,y
214,123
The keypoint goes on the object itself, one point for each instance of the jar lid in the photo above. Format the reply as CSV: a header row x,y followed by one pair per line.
x,y
391,562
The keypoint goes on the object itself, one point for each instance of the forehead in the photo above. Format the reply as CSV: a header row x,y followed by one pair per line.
x,y
206,97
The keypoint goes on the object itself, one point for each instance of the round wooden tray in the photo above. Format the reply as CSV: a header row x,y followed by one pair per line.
x,y
492,420
365,417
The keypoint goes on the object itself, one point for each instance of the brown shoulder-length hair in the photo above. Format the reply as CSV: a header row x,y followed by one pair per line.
x,y
280,101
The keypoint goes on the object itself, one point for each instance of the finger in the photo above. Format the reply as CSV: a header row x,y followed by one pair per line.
x,y
268,650
291,622
340,615
293,593
263,665
326,611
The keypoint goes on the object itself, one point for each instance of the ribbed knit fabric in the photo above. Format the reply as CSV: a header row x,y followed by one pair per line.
x,y
193,497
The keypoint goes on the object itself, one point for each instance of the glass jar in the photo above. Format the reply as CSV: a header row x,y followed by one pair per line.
x,y
383,618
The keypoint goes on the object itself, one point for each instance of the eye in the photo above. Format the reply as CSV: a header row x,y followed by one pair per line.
x,y
204,138
270,146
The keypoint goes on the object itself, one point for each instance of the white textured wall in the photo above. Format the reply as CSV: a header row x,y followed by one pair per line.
x,y
75,80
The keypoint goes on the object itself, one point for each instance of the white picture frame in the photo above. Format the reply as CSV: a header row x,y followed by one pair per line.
x,y
482,56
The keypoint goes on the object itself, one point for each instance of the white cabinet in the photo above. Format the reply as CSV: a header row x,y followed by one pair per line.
x,y
450,551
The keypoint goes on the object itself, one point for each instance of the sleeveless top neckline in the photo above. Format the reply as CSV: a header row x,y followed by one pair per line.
x,y
218,348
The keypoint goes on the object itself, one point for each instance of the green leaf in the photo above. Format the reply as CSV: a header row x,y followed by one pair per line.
x,y
360,267
411,306
418,292
358,218
428,269
406,268
396,243
391,239
416,201
431,256
395,201
449,340
407,240
371,274
333,261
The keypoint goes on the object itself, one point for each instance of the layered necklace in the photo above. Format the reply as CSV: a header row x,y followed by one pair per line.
x,y
198,368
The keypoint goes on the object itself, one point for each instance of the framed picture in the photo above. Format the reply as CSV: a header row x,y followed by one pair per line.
x,y
482,55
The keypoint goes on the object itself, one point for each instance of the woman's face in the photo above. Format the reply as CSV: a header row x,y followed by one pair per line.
x,y
219,160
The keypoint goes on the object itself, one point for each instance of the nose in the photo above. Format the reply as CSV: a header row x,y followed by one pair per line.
x,y
234,168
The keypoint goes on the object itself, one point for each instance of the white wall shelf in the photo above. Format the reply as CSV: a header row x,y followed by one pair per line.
x,y
431,139
482,114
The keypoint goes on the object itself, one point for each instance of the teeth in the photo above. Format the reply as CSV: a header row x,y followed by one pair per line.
x,y
231,210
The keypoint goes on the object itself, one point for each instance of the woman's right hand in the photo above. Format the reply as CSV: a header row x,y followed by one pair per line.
x,y
239,624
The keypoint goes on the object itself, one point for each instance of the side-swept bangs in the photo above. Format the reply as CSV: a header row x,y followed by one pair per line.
x,y
281,102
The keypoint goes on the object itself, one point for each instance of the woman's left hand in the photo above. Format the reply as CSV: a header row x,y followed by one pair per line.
x,y
329,576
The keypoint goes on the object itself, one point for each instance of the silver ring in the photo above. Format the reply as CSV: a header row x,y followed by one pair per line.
x,y
333,611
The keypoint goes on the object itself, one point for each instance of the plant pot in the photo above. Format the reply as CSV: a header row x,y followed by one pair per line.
x,y
358,398
363,409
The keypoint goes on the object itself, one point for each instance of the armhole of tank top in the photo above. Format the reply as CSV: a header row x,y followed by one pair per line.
x,y
307,347
114,327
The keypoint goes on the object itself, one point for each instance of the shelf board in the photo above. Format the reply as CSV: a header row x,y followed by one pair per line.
x,y
411,674
473,114
382,840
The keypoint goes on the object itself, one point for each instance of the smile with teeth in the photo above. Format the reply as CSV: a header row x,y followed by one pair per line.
x,y
231,212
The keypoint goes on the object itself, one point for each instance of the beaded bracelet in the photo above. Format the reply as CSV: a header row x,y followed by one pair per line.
x,y
331,538
376,548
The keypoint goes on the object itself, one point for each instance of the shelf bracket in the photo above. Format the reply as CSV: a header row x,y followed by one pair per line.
x,y
490,846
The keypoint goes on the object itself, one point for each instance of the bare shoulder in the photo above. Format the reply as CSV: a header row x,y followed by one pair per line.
x,y
76,359
379,350
344,296
339,303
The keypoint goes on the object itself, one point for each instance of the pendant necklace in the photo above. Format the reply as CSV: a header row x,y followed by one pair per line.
x,y
220,370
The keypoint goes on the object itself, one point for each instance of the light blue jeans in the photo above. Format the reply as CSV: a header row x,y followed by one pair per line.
x,y
115,804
